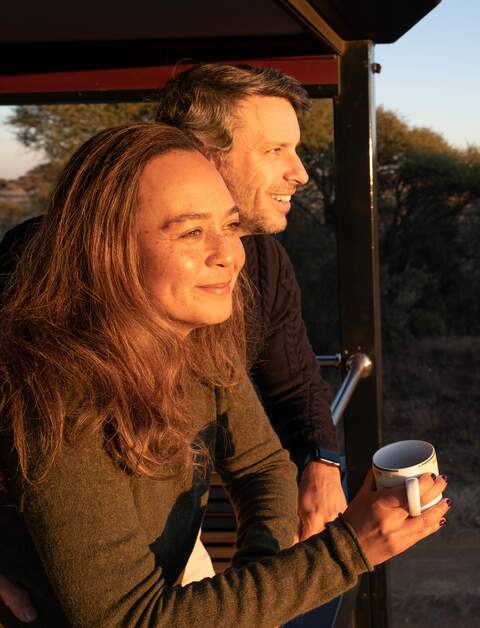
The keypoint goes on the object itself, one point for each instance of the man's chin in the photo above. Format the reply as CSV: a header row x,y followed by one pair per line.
x,y
264,225
276,224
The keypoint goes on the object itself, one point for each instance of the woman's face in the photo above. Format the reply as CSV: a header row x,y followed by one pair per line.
x,y
188,237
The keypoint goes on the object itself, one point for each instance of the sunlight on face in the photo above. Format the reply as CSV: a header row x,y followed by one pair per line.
x,y
262,169
188,237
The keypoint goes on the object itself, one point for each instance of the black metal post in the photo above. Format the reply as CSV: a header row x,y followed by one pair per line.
x,y
359,286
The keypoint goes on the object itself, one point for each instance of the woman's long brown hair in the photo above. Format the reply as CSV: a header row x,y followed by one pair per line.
x,y
82,349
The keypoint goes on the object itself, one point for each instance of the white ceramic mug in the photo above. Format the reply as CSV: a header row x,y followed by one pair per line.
x,y
402,463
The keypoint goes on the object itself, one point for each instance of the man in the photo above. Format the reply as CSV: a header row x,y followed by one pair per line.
x,y
246,118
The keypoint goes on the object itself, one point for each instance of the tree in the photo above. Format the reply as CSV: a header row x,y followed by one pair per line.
x,y
58,130
429,192
429,201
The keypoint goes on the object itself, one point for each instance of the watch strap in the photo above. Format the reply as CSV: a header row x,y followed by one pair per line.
x,y
326,456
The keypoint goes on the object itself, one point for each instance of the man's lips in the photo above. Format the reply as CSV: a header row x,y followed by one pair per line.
x,y
282,198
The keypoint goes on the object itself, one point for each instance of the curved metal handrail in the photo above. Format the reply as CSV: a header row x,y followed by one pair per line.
x,y
338,612
358,367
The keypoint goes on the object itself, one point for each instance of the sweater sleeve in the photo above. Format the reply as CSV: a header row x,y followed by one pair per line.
x,y
257,474
286,372
86,528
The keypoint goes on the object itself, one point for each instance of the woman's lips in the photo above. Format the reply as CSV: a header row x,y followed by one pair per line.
x,y
217,288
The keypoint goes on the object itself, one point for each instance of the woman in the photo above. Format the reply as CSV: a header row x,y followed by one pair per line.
x,y
122,383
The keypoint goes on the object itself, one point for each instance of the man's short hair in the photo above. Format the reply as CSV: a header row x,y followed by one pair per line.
x,y
203,99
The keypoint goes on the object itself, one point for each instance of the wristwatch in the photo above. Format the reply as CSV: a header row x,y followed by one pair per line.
x,y
326,456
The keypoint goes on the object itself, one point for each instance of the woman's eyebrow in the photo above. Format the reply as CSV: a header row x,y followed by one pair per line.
x,y
184,218
195,216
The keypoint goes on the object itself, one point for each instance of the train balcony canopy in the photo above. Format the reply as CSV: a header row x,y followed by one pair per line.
x,y
75,40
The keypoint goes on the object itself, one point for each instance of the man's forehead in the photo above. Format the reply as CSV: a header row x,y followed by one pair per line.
x,y
263,106
269,118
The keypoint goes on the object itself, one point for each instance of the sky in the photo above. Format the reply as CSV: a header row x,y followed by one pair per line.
x,y
431,77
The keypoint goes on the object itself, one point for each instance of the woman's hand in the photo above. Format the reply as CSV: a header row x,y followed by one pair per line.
x,y
382,522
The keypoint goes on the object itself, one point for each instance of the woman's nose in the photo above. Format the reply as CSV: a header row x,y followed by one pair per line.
x,y
221,251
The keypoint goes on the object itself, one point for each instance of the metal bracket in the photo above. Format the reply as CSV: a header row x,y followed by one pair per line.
x,y
330,360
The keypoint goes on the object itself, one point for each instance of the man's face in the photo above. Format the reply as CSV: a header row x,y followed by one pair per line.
x,y
262,170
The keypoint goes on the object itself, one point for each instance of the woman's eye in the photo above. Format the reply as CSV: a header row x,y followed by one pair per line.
x,y
193,233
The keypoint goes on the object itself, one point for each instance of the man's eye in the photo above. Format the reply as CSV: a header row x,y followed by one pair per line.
x,y
233,226
275,151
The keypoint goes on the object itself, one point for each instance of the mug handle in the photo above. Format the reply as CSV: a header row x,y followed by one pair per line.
x,y
413,496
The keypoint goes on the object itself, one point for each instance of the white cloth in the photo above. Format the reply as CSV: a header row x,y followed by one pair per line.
x,y
199,565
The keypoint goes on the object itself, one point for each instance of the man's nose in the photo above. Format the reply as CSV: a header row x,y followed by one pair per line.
x,y
297,172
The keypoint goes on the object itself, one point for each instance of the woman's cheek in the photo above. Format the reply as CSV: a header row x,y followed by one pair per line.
x,y
187,265
239,255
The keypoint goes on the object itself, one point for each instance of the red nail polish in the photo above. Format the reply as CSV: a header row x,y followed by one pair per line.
x,y
443,521
444,478
448,501
434,477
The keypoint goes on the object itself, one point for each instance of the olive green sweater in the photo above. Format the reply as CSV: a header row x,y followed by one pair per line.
x,y
103,549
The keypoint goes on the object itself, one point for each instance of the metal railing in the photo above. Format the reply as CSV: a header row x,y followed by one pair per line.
x,y
338,612
358,367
